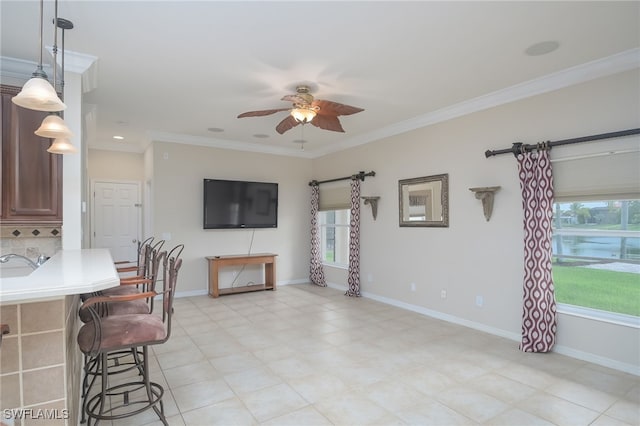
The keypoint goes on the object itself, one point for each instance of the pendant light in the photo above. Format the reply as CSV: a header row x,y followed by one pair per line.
x,y
62,146
61,137
37,93
53,126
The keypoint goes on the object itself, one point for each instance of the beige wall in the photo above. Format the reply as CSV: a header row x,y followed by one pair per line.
x,y
113,165
471,258
474,257
178,173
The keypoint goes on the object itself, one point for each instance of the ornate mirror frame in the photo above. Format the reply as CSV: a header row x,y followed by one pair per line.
x,y
424,201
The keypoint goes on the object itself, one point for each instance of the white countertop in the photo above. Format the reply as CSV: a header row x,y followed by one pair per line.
x,y
67,272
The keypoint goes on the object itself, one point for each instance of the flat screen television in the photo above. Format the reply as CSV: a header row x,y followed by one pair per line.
x,y
232,204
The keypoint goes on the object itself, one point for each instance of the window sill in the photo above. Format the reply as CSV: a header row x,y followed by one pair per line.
x,y
597,315
336,265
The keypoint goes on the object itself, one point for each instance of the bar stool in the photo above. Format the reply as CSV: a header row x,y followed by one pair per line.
x,y
104,335
123,266
124,360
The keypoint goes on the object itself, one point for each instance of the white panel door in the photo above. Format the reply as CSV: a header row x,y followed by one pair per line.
x,y
116,218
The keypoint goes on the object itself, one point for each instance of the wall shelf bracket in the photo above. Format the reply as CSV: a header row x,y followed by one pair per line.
x,y
486,194
373,202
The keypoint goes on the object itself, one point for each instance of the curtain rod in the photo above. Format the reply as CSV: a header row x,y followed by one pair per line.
x,y
517,147
359,175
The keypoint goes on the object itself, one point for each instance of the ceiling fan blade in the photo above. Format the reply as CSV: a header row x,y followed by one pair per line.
x,y
286,124
335,108
327,122
261,113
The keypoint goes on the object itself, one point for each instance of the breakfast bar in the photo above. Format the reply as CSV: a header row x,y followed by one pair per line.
x,y
40,363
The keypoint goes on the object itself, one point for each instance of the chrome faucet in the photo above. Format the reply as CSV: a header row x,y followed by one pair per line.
x,y
35,265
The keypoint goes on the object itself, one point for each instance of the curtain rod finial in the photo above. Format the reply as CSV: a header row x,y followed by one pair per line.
x,y
516,148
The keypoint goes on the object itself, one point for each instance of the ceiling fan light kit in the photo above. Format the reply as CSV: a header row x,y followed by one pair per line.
x,y
303,115
305,109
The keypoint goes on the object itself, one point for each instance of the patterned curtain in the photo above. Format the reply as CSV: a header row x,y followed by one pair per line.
x,y
316,273
354,241
539,305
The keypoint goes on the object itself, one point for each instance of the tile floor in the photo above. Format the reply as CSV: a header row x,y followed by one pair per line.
x,y
305,355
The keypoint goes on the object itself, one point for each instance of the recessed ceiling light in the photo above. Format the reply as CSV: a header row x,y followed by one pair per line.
x,y
260,136
215,129
542,48
119,137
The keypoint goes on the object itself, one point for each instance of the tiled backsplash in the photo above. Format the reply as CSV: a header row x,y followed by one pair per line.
x,y
30,241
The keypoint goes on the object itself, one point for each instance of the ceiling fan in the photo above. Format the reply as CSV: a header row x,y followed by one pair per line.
x,y
306,109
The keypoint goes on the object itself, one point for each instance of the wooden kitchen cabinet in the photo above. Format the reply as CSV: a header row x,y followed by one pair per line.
x,y
31,177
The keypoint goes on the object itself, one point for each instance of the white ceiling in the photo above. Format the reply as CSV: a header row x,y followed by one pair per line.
x,y
169,70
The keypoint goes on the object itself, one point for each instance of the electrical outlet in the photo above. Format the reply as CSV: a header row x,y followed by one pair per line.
x,y
413,286
443,294
479,301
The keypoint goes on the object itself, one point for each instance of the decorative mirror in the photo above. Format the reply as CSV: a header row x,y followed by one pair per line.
x,y
424,201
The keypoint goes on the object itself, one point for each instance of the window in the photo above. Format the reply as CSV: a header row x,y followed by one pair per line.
x,y
334,236
596,255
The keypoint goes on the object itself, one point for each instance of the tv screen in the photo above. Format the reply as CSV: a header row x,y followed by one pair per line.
x,y
240,204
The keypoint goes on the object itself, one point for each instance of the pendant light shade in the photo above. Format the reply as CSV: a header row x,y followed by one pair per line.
x,y
38,94
62,146
53,126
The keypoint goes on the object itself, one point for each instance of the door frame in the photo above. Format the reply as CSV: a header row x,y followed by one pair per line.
x,y
92,226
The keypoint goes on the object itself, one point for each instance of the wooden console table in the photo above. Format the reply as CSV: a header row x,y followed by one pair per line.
x,y
216,262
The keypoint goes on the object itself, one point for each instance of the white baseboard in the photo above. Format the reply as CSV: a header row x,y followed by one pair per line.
x,y
298,281
562,350
599,360
191,293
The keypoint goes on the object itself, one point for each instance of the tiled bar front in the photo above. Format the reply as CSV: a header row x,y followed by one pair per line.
x,y
40,362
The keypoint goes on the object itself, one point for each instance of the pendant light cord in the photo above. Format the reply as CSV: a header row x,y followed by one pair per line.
x,y
55,46
40,44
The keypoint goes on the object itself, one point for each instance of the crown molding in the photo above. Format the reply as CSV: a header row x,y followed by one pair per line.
x,y
614,64
18,71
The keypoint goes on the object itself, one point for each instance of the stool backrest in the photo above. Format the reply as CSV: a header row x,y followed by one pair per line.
x,y
171,267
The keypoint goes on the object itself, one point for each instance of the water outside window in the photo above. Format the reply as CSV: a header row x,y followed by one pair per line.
x,y
596,248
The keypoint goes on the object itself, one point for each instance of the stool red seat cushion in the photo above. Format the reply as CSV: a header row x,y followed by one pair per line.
x,y
122,331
